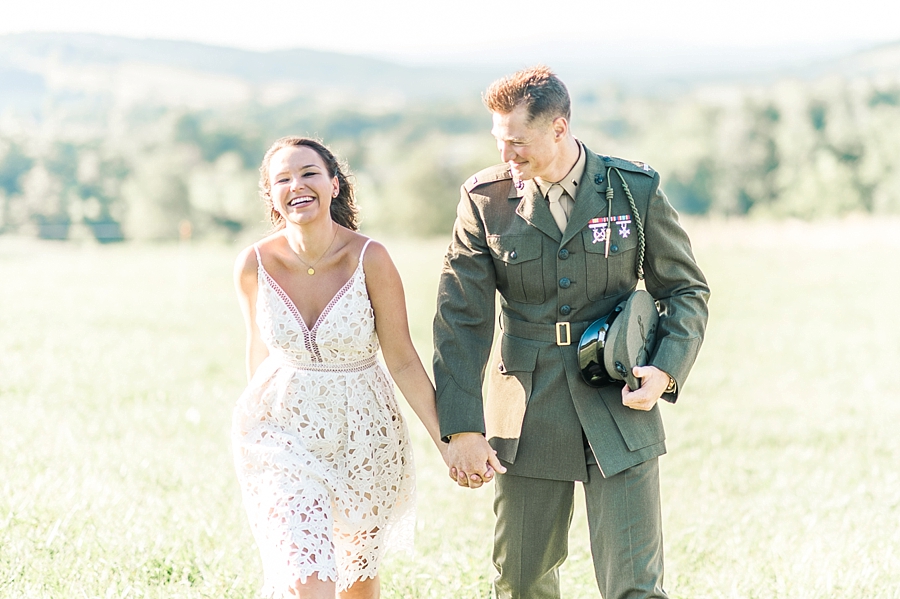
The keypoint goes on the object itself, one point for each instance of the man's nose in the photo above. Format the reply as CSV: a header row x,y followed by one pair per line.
x,y
506,151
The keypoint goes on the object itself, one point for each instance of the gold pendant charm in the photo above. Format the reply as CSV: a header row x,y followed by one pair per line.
x,y
311,270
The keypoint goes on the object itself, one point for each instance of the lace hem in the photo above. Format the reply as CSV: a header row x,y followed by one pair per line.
x,y
280,590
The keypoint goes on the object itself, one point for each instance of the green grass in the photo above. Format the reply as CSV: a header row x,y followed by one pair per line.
x,y
119,367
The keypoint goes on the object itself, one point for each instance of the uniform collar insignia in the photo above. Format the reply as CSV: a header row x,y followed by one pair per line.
x,y
517,189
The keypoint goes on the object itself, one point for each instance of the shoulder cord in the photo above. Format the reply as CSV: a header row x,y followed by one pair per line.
x,y
634,211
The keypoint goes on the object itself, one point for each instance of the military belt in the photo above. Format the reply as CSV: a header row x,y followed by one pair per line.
x,y
561,333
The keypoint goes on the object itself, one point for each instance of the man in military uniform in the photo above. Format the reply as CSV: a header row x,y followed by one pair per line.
x,y
554,230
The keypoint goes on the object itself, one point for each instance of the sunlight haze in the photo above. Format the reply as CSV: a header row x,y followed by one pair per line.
x,y
475,31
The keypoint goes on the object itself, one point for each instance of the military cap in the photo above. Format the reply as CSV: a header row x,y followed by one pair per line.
x,y
611,346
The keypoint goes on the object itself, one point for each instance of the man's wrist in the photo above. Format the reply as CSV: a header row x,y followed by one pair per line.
x,y
672,387
463,434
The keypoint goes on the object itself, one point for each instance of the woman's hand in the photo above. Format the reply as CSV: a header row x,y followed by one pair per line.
x,y
444,448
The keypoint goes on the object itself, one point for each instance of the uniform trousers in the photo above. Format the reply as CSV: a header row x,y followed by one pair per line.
x,y
625,524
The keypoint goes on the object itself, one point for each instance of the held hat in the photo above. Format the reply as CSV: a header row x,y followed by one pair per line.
x,y
613,345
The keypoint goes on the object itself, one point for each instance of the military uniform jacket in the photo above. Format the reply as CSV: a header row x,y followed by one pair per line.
x,y
505,240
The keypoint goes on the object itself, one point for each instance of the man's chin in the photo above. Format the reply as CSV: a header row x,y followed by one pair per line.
x,y
519,174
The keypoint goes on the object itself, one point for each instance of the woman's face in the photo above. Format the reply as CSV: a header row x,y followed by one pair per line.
x,y
299,185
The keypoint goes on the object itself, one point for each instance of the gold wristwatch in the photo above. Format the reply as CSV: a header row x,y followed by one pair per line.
x,y
672,385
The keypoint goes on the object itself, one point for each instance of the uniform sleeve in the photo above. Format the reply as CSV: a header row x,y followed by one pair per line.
x,y
673,278
464,323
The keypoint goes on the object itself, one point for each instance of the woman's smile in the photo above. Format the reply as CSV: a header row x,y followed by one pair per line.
x,y
300,201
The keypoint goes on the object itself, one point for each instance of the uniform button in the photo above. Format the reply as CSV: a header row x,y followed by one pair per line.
x,y
563,254
513,255
565,309
614,248
564,282
606,159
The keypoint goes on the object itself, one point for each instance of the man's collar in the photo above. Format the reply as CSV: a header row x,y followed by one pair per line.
x,y
572,179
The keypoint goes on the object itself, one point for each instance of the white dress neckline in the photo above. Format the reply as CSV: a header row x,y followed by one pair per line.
x,y
289,303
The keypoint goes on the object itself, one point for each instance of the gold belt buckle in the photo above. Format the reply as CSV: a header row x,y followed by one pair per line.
x,y
563,333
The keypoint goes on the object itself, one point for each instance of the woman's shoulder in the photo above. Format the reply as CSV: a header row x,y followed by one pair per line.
x,y
376,260
248,259
354,245
370,251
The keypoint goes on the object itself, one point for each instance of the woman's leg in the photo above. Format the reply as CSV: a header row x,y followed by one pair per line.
x,y
369,588
313,588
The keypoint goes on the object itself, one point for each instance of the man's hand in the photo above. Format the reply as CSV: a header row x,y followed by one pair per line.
x,y
472,460
653,382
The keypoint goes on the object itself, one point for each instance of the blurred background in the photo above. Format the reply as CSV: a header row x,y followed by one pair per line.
x,y
130,138
120,121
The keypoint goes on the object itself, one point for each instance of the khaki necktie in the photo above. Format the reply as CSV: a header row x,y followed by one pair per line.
x,y
556,208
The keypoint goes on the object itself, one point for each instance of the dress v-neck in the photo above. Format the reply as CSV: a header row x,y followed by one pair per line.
x,y
292,307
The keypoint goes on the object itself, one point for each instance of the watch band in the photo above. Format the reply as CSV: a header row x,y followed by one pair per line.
x,y
672,386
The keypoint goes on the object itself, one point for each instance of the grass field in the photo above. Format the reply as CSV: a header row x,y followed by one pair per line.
x,y
119,367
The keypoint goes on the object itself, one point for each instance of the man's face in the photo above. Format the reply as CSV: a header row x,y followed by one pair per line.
x,y
530,149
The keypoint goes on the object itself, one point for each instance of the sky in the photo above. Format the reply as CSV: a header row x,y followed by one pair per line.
x,y
423,31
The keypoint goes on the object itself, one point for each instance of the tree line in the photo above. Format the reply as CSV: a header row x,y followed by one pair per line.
x,y
806,149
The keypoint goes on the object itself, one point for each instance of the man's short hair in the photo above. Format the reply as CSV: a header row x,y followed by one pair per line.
x,y
537,88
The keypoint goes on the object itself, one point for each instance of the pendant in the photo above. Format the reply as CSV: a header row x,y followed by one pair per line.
x,y
311,270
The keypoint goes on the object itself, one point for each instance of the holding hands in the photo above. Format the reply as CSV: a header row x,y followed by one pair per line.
x,y
472,460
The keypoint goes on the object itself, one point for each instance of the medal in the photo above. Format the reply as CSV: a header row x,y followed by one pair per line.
x,y
600,229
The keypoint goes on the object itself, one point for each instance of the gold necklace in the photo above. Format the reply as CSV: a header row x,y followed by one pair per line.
x,y
310,270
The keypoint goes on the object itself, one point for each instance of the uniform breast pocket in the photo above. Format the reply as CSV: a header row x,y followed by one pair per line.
x,y
612,275
517,260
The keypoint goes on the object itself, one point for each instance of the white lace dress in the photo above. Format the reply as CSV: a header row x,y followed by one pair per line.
x,y
321,450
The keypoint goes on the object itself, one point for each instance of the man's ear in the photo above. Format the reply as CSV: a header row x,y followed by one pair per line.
x,y
560,127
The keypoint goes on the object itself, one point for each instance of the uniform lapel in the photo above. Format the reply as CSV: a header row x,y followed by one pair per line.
x,y
590,199
533,208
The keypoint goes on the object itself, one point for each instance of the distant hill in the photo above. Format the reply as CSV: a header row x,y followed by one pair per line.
x,y
882,60
47,71
649,71
33,65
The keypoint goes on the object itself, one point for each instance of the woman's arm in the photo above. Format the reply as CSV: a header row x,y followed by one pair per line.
x,y
246,284
389,304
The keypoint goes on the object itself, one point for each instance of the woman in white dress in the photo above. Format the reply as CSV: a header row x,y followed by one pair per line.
x,y
321,450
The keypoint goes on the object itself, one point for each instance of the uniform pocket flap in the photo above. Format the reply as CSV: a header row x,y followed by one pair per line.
x,y
639,429
516,356
513,248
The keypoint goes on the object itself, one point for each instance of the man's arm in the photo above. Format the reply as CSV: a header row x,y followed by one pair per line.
x,y
463,333
673,278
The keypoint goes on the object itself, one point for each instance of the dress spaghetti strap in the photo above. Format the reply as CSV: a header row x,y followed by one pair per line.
x,y
363,252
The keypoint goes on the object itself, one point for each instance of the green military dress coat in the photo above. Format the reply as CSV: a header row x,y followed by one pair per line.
x,y
537,405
